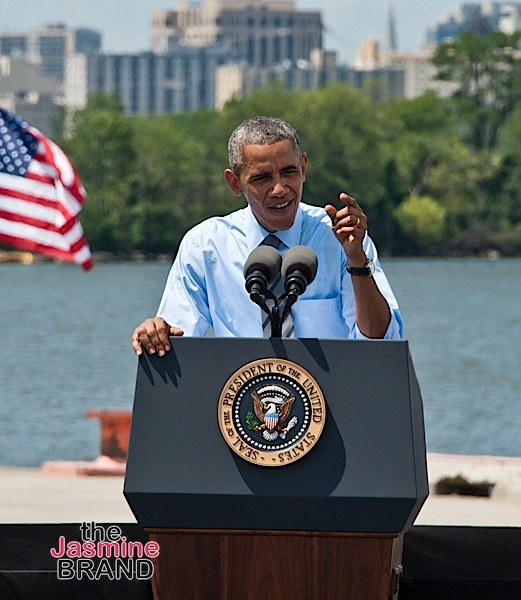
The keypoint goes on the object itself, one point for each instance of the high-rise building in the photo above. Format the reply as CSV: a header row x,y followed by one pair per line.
x,y
417,73
262,33
49,46
239,80
28,93
478,19
182,80
14,44
203,54
32,65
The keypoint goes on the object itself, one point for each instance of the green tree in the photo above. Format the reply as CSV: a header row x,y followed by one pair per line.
x,y
179,181
506,186
149,179
429,159
485,72
100,145
423,220
342,131
414,131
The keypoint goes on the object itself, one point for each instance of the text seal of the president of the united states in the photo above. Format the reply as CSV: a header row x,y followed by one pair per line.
x,y
271,412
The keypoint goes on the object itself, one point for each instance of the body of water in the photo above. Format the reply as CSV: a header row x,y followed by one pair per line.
x,y
66,349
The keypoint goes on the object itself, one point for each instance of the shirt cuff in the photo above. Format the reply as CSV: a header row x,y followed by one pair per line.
x,y
394,330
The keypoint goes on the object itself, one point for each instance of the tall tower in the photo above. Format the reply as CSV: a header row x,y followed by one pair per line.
x,y
391,41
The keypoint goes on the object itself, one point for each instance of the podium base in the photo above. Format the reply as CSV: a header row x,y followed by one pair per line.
x,y
279,565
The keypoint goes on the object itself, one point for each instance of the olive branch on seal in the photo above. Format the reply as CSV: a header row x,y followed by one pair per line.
x,y
251,422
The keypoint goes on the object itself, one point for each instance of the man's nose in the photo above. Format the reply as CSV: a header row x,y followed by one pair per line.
x,y
278,189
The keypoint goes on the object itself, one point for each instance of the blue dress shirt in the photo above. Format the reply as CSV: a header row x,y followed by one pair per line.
x,y
205,287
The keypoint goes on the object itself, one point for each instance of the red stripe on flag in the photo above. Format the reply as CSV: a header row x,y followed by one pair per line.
x,y
21,195
50,251
33,221
45,179
33,199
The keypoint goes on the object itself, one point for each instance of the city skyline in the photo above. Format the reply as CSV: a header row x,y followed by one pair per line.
x,y
347,24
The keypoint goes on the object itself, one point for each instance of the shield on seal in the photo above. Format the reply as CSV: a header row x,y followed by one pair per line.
x,y
271,420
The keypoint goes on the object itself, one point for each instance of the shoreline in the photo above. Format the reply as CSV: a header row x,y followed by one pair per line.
x,y
102,256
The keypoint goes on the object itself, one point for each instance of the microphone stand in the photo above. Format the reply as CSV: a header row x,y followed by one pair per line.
x,y
291,298
277,314
276,321
274,314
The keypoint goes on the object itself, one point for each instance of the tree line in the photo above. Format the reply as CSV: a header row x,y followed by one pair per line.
x,y
435,175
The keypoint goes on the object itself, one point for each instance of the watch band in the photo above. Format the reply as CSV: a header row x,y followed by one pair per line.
x,y
366,271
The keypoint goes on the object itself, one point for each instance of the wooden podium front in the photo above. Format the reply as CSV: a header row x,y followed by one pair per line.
x,y
327,526
248,565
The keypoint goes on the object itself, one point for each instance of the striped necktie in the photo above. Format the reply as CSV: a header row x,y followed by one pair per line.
x,y
277,288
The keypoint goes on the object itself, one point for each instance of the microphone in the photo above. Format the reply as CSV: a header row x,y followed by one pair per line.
x,y
299,267
261,267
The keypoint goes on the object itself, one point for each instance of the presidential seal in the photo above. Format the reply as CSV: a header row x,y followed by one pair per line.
x,y
271,412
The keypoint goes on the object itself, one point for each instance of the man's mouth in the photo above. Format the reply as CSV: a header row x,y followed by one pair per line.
x,y
281,205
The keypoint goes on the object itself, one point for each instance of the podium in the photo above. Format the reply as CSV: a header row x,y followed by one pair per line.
x,y
321,519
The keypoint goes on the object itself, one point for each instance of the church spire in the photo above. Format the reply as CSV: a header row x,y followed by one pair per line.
x,y
391,42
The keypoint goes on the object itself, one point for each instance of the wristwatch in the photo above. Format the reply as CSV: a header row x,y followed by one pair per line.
x,y
366,271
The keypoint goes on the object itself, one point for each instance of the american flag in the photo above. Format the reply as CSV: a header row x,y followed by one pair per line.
x,y
40,195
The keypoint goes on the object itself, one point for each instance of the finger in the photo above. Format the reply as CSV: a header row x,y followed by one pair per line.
x,y
353,209
343,232
157,332
136,346
338,216
334,215
346,221
331,211
351,206
348,200
152,335
141,341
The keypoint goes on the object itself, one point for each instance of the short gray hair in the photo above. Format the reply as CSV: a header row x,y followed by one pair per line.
x,y
259,131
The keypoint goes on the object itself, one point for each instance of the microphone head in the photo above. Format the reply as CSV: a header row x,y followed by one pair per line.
x,y
300,258
265,259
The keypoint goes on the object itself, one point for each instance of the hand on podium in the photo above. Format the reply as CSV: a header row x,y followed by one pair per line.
x,y
153,336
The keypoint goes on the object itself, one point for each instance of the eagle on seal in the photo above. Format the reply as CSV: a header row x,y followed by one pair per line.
x,y
273,411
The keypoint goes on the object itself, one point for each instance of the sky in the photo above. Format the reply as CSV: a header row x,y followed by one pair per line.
x,y
124,24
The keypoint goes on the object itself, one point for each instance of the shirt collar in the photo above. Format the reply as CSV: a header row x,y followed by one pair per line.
x,y
256,232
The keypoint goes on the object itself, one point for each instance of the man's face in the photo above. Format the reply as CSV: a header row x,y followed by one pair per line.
x,y
271,180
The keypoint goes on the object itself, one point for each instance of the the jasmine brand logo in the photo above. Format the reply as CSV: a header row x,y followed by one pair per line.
x,y
104,552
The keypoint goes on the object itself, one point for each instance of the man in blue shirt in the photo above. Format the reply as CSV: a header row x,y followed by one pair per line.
x,y
349,297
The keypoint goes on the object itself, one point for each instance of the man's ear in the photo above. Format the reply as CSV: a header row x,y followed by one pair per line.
x,y
304,165
233,182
